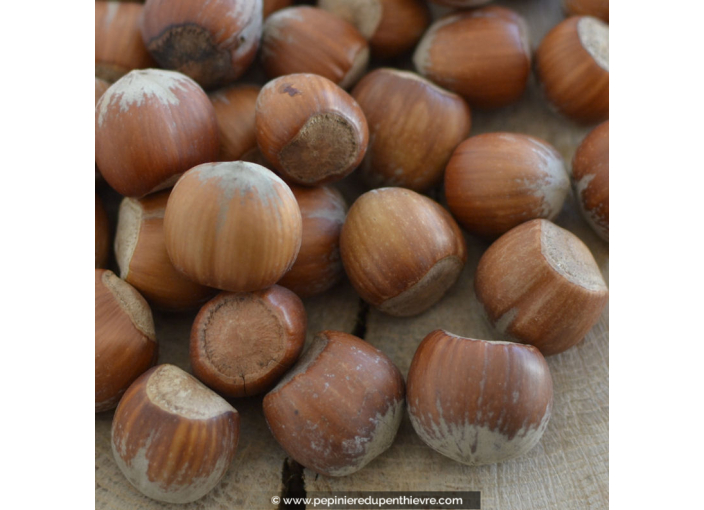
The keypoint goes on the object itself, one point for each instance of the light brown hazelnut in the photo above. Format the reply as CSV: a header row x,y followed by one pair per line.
x,y
401,250
539,284
590,178
414,126
309,129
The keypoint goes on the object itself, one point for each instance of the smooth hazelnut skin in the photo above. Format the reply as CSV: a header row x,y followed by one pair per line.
x,y
118,42
309,129
142,258
339,407
150,127
212,41
401,250
172,437
305,39
478,401
242,343
234,109
597,8
390,26
102,234
572,65
482,54
414,126
318,266
590,179
540,285
125,343
496,181
234,226
271,6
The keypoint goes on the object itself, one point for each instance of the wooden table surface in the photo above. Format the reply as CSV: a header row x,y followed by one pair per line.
x,y
568,469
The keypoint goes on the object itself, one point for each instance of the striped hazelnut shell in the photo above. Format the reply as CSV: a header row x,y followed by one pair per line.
x,y
318,266
414,126
150,127
309,129
590,179
496,181
304,39
125,343
234,226
214,41
539,284
339,407
483,55
478,401
572,65
401,250
141,255
172,437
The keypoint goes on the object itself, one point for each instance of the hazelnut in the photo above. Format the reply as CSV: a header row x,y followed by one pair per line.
x,y
390,26
483,55
242,343
142,258
172,437
234,226
309,129
590,178
414,126
102,234
478,401
318,265
339,407
401,251
150,127
125,344
572,64
118,42
304,39
234,109
539,284
597,8
212,41
496,181
271,6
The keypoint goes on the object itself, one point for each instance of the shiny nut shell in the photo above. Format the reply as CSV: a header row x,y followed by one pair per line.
x,y
213,41
305,39
234,226
309,129
172,437
414,126
339,407
590,178
318,266
483,55
125,343
539,284
401,251
496,181
572,65
150,127
141,255
234,109
478,401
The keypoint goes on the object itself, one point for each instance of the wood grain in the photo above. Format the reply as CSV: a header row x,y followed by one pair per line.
x,y
568,469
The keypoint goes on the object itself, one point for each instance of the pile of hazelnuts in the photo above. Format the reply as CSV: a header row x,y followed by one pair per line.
x,y
228,207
